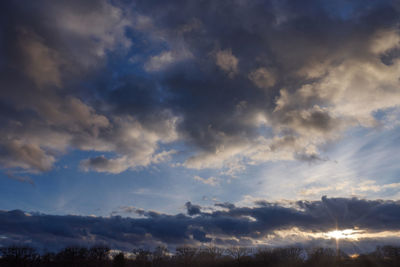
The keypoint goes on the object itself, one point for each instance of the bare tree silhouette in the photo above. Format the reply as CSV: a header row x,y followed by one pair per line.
x,y
188,256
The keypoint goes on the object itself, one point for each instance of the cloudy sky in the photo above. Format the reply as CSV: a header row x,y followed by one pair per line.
x,y
171,122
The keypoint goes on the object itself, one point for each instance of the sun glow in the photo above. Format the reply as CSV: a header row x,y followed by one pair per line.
x,y
343,234
352,235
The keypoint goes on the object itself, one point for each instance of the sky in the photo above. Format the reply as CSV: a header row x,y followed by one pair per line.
x,y
140,123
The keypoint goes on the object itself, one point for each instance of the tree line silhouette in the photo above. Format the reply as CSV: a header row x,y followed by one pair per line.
x,y
188,256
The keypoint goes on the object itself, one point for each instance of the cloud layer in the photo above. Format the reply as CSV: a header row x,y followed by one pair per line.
x,y
224,225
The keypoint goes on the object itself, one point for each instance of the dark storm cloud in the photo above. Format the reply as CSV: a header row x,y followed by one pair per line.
x,y
272,64
226,205
235,80
235,225
192,209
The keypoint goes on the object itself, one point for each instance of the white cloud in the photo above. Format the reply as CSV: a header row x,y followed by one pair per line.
x,y
134,144
227,62
104,28
262,78
384,40
166,59
209,181
42,64
159,62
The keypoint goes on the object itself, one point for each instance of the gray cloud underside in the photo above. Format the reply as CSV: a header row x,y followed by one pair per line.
x,y
235,80
47,55
230,226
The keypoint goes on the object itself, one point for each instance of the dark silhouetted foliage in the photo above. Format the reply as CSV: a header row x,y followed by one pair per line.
x,y
119,260
188,256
